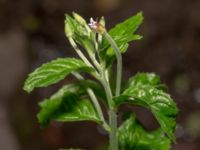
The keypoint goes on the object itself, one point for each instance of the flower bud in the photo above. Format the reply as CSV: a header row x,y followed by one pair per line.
x,y
79,18
68,27
102,21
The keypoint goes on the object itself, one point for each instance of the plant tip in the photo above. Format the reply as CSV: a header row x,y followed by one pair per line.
x,y
93,24
96,26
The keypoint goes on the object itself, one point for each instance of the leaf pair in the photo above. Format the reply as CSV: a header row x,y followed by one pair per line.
x,y
66,104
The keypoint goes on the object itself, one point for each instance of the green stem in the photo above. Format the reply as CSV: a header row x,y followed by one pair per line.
x,y
92,55
112,114
113,133
119,63
82,56
95,102
107,88
78,51
95,62
102,77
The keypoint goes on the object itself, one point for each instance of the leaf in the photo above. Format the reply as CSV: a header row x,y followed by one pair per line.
x,y
80,88
65,105
132,136
70,94
122,34
143,93
53,72
141,79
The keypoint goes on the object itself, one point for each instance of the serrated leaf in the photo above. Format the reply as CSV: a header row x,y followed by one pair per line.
x,y
122,34
52,108
53,72
66,106
144,93
132,136
151,79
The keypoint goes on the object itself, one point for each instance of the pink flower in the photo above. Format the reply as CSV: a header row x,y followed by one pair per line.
x,y
93,24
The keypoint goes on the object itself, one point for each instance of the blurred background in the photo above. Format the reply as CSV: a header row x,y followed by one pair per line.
x,y
31,33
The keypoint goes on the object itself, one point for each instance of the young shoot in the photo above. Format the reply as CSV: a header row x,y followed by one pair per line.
x,y
80,101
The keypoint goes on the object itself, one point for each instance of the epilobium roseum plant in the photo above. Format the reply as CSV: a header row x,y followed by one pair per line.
x,y
79,101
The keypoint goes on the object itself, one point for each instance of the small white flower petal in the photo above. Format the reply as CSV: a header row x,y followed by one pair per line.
x,y
93,24
91,20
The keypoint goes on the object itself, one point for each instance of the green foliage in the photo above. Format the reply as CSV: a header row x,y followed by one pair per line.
x,y
143,91
80,32
66,105
97,89
132,136
122,33
53,72
151,79
79,101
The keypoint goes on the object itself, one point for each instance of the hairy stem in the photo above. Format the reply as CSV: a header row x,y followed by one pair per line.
x,y
95,102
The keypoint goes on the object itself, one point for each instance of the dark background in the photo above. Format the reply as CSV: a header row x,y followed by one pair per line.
x,y
31,33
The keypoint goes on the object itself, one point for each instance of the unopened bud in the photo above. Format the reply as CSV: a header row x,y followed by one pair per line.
x,y
68,28
102,21
79,18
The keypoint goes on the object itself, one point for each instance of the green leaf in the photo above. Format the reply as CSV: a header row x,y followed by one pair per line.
x,y
151,79
132,136
53,72
70,95
65,106
80,88
144,93
122,34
